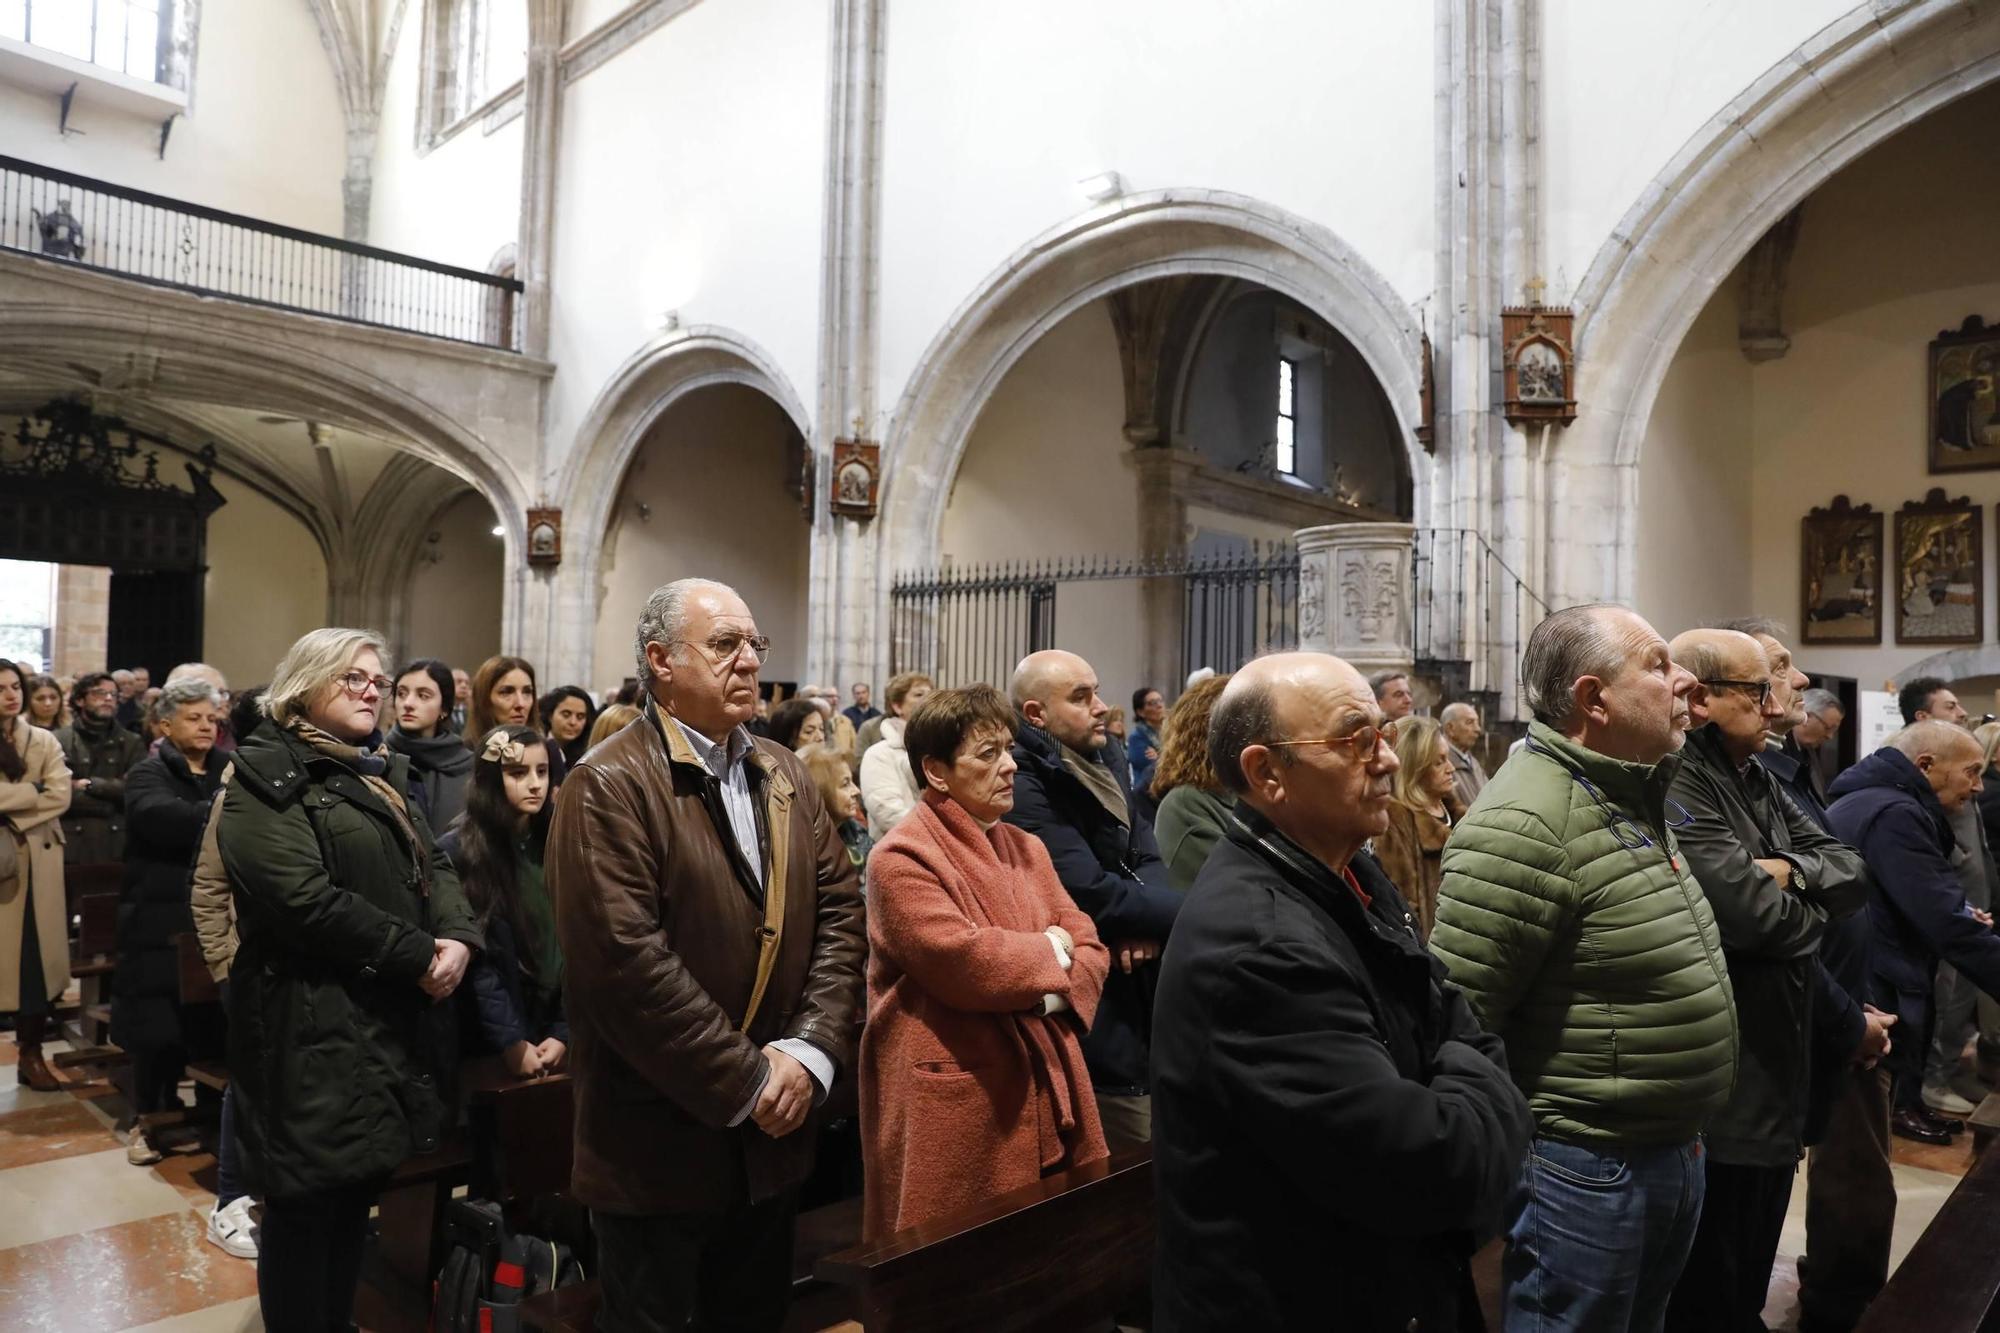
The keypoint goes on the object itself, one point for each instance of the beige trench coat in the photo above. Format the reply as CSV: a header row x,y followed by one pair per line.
x,y
37,817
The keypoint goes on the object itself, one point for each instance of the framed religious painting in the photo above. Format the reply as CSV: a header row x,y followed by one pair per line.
x,y
1841,574
1940,571
1964,405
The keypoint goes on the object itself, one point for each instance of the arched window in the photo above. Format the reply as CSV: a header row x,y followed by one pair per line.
x,y
474,50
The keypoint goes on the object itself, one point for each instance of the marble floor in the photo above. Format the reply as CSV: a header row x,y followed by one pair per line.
x,y
89,1242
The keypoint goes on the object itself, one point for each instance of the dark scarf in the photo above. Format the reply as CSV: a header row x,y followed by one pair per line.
x,y
369,761
444,753
91,730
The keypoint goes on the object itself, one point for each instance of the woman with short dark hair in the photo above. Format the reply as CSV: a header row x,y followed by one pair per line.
x,y
982,979
567,712
798,725
440,764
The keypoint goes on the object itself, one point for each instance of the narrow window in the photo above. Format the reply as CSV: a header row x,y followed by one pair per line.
x,y
1288,448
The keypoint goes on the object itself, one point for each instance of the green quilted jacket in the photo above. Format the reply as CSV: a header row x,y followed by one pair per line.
x,y
1577,933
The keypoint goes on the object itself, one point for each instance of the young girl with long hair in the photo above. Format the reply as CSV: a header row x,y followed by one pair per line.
x,y
496,846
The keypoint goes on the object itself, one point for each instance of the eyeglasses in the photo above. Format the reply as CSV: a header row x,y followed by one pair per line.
x,y
1762,688
1364,740
728,647
356,684
102,692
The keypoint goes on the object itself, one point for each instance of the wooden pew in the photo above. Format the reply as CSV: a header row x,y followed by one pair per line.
x,y
1068,1252
1950,1282
93,958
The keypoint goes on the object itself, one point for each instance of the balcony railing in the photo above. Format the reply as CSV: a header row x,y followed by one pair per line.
x,y
70,219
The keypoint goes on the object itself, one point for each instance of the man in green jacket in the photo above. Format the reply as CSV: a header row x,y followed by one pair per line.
x,y
1571,921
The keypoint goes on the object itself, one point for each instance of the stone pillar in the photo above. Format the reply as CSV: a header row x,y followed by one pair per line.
x,y
541,90
82,635
850,570
1355,593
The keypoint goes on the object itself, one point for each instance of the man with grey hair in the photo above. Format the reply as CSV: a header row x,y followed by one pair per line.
x,y
1569,918
1336,1135
1392,694
710,923
1462,731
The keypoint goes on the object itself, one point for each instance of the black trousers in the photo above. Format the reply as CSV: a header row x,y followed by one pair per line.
x,y
686,1274
1850,1207
309,1258
1728,1273
156,1077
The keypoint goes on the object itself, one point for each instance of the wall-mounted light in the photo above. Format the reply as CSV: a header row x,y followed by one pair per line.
x,y
499,531
645,512
671,321
1103,187
433,551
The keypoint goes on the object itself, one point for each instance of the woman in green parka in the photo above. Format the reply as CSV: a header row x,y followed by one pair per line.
x,y
351,926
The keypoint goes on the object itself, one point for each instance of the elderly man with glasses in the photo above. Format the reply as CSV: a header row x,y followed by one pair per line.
x,y
1334,1134
1570,919
1774,878
710,921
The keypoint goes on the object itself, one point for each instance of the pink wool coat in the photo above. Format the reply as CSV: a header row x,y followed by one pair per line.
x,y
967,1091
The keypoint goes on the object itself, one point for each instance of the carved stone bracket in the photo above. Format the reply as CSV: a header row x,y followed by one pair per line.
x,y
1355,594
1760,323
1141,316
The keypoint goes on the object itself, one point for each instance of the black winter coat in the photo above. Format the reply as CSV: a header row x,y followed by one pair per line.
x,y
440,770
1886,808
498,1006
1770,937
1333,1134
94,825
167,807
1840,973
1113,871
331,1042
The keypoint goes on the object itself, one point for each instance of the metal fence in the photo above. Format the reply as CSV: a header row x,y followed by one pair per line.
x,y
72,219
964,625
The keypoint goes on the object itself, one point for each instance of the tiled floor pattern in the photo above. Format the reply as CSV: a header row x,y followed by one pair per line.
x,y
89,1242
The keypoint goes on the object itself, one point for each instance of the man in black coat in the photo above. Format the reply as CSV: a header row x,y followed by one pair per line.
x,y
1103,849
1773,878
1894,808
1335,1134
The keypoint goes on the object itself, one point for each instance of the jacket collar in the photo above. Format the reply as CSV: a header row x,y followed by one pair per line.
x,y
680,750
1706,746
1890,769
1312,877
1634,786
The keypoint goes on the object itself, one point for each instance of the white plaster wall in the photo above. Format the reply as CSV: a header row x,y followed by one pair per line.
x,y
457,203
994,112
264,135
691,180
1626,85
266,585
714,470
1045,476
1892,250
453,608
1695,551
585,16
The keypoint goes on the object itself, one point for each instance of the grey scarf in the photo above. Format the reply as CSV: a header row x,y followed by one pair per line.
x,y
1102,785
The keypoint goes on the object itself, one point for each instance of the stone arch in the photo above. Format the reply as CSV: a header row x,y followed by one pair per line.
x,y
1130,240
636,395
1847,89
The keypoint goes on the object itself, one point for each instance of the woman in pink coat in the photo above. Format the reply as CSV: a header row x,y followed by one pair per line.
x,y
982,978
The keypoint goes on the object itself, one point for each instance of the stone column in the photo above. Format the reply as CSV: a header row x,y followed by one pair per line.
x,y
541,98
1355,594
83,620
849,570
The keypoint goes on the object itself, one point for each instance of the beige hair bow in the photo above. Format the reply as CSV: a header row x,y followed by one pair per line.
x,y
499,750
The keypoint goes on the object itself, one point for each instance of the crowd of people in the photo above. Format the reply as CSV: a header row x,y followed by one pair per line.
x,y
1368,1006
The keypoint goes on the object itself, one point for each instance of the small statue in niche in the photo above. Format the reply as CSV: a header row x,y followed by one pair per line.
x,y
62,234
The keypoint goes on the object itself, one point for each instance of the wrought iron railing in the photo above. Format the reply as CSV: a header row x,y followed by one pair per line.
x,y
972,624
71,219
1468,605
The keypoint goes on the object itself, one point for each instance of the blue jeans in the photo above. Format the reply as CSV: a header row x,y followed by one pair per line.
x,y
1597,1238
228,1180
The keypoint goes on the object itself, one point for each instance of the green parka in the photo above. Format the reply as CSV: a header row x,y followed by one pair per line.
x,y
1573,925
329,1053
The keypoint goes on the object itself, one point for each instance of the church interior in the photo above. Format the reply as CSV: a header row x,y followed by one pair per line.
x,y
1164,334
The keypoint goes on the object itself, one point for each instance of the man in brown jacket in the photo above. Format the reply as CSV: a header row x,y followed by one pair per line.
x,y
711,928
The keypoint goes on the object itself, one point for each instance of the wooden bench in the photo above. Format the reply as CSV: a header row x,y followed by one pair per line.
x,y
1950,1282
1067,1253
93,959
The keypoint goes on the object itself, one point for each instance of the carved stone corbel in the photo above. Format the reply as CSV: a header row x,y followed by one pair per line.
x,y
1760,327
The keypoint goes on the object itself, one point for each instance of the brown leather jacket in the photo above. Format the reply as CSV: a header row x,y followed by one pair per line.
x,y
661,930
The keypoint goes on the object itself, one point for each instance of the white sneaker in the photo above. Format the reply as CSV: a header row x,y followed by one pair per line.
x,y
139,1152
1946,1102
231,1228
